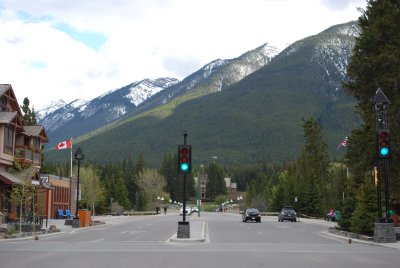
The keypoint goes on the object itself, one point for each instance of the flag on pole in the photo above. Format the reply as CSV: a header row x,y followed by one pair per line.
x,y
343,143
64,145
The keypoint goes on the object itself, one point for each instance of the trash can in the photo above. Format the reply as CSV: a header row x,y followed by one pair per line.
x,y
84,217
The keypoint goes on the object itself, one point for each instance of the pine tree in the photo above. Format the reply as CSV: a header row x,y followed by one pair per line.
x,y
349,205
364,216
216,183
169,171
29,114
313,170
128,167
376,64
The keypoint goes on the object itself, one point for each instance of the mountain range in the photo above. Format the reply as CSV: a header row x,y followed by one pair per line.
x,y
241,110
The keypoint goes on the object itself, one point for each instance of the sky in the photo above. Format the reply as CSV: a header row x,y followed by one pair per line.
x,y
74,49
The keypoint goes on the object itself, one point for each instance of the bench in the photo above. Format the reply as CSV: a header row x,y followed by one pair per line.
x,y
60,214
68,213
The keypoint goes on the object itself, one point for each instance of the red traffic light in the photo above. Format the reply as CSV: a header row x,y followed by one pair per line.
x,y
184,150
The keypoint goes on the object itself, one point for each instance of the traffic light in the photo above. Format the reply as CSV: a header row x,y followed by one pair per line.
x,y
184,159
383,143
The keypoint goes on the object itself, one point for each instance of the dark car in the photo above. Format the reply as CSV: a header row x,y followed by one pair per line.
x,y
287,213
251,214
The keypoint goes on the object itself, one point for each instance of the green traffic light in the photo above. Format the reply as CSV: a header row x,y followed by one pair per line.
x,y
384,151
184,167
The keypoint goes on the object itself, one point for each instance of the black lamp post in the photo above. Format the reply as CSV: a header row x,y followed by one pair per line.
x,y
78,156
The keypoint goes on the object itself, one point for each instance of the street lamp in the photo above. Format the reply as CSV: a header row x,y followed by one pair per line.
x,y
78,156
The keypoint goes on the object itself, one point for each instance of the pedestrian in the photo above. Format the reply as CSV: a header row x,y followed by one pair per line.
x,y
165,210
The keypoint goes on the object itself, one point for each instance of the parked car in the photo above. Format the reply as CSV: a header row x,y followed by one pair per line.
x,y
287,213
251,214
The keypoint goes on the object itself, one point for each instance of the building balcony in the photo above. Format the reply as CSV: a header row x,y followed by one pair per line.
x,y
28,155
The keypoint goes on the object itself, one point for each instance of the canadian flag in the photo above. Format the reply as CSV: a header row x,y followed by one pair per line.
x,y
63,145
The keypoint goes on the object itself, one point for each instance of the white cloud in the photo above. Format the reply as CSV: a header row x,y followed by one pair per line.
x,y
143,39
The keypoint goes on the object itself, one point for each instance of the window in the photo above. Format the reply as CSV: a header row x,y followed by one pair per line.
x,y
8,139
3,104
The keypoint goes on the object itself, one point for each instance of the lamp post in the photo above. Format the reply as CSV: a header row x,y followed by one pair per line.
x,y
239,199
78,156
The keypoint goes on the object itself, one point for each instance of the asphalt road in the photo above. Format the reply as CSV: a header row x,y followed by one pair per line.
x,y
144,242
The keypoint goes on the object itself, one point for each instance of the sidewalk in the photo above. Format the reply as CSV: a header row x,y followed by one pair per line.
x,y
197,229
362,240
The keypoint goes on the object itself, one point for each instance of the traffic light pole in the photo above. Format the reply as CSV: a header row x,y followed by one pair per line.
x,y
184,182
379,189
380,105
184,168
386,177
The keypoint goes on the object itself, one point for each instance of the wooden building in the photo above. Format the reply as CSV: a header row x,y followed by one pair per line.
x,y
18,143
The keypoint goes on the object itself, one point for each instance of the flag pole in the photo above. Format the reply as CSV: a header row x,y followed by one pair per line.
x,y
71,158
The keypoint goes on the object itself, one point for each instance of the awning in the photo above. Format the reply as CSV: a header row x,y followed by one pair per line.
x,y
8,178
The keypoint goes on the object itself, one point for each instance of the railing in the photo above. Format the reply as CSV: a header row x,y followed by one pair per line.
x,y
26,155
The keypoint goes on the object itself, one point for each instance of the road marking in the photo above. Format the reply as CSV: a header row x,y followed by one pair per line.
x,y
98,240
136,232
260,233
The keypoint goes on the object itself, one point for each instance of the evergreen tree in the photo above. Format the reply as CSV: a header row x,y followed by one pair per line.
x,y
251,193
140,165
312,171
216,182
112,178
348,207
29,114
364,216
278,193
141,203
169,171
129,170
376,64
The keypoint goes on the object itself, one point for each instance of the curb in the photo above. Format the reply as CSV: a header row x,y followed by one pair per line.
x,y
174,239
60,232
350,240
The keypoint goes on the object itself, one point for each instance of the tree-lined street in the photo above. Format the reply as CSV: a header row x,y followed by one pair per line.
x,y
144,242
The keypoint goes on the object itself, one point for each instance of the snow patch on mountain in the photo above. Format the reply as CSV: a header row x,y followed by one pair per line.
x,y
141,92
116,112
49,108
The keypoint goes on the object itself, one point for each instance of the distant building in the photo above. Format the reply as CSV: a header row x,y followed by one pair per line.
x,y
231,187
60,194
203,185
